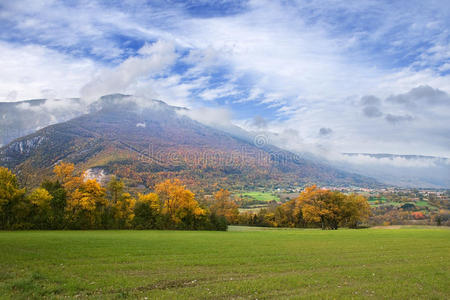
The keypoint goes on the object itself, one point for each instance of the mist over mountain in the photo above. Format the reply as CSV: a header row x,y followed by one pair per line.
x,y
147,140
18,119
26,117
401,170
410,171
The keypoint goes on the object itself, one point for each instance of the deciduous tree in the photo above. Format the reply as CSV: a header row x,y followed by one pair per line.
x,y
124,210
179,204
224,206
86,204
147,212
115,189
57,203
13,209
331,209
40,208
355,210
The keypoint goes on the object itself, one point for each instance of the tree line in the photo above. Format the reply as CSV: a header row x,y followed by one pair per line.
x,y
314,207
75,202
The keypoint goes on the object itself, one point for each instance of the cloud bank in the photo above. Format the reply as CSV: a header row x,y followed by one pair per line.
x,y
344,76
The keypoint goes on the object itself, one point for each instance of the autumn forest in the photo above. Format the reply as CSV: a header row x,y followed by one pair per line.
x,y
70,201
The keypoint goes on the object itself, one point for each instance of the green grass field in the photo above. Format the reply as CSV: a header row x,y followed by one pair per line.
x,y
242,263
260,196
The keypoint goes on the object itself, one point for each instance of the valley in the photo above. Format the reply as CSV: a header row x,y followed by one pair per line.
x,y
227,149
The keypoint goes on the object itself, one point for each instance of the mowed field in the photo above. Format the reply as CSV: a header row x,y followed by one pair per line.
x,y
260,196
241,263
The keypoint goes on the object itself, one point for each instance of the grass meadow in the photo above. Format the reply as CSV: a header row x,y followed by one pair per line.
x,y
261,196
247,263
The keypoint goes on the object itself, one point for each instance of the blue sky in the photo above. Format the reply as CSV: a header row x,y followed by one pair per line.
x,y
300,66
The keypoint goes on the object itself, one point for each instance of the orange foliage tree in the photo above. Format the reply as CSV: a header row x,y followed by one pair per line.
x,y
224,206
331,209
328,209
319,206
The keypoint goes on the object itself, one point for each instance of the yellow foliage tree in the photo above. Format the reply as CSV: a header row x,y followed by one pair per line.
x,y
224,206
124,210
64,173
355,209
9,189
40,200
331,209
86,204
12,208
151,199
86,199
320,206
147,212
178,203
288,215
115,188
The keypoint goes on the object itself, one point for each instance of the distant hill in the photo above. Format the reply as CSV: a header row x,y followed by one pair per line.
x,y
18,119
148,141
393,156
402,170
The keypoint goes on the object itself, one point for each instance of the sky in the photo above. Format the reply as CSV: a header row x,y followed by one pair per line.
x,y
324,76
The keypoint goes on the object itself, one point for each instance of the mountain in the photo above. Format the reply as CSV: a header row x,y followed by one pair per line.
x,y
24,117
147,141
403,170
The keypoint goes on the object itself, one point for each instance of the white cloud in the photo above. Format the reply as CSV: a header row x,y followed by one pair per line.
x,y
211,116
307,62
153,59
396,161
220,92
33,71
171,89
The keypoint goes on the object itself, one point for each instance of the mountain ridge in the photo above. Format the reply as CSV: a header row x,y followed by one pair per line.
x,y
392,155
21,118
147,143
